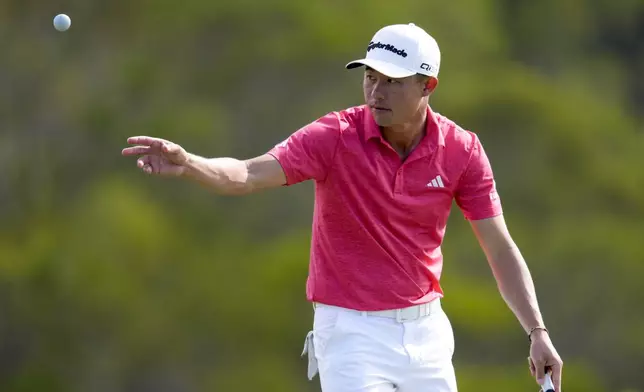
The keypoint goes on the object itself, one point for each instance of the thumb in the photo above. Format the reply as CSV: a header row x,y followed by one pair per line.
x,y
174,152
170,148
531,367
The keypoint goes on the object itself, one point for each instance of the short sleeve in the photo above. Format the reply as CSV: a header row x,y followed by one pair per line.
x,y
308,153
476,194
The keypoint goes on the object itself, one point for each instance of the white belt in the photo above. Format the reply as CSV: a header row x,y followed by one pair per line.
x,y
410,313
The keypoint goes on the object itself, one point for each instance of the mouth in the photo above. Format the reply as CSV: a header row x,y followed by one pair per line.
x,y
380,109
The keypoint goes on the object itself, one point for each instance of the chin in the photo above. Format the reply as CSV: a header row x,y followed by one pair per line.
x,y
383,120
383,124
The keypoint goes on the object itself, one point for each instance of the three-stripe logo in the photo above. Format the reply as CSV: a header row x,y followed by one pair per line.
x,y
437,182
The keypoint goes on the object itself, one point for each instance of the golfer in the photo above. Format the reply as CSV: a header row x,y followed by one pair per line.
x,y
386,174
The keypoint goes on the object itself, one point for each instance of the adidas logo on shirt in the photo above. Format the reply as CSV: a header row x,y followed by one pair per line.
x,y
437,182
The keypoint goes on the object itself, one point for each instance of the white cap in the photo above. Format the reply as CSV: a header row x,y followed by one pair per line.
x,y
401,50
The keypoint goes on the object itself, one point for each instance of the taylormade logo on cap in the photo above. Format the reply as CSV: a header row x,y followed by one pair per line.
x,y
391,48
401,50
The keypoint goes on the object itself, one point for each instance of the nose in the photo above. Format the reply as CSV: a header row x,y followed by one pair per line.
x,y
377,92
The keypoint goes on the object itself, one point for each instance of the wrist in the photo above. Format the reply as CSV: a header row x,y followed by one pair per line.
x,y
537,333
189,166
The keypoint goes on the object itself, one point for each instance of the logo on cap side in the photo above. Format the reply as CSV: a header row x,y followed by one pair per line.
x,y
389,47
427,67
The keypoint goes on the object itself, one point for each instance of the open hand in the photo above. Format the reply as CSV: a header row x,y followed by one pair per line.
x,y
158,156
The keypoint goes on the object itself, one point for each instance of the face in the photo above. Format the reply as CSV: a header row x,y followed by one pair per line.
x,y
396,101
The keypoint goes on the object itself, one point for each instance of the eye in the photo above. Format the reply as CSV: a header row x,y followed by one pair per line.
x,y
371,77
393,81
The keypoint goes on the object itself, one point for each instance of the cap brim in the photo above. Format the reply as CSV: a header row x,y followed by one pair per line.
x,y
385,68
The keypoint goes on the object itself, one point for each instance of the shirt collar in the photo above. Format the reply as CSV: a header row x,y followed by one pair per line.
x,y
433,134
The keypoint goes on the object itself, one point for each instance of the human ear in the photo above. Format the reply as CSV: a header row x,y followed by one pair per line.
x,y
430,86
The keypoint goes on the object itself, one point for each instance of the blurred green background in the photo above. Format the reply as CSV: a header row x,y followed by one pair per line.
x,y
114,281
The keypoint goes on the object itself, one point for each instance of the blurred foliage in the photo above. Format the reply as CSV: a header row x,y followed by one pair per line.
x,y
113,281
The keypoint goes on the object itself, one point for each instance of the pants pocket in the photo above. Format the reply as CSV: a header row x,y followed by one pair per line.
x,y
324,324
449,332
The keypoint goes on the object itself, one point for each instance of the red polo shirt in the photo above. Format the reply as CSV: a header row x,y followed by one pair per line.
x,y
379,222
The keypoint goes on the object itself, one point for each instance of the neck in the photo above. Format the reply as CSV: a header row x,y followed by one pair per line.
x,y
403,138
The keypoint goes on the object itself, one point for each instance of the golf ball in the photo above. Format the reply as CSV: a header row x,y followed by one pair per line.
x,y
62,22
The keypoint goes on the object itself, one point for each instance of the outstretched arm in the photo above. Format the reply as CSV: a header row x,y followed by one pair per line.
x,y
306,154
227,176
231,176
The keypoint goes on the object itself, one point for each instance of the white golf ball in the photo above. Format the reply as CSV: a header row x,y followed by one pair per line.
x,y
62,22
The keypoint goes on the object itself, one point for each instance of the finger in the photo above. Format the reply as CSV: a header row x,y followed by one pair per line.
x,y
138,150
156,147
144,140
556,376
540,368
531,367
143,162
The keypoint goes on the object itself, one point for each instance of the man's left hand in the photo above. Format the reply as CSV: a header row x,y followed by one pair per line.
x,y
544,357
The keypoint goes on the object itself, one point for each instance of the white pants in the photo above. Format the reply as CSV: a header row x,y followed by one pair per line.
x,y
356,352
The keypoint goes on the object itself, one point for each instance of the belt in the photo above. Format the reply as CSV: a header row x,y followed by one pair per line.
x,y
402,315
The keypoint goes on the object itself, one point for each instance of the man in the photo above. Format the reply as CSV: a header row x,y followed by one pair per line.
x,y
385,175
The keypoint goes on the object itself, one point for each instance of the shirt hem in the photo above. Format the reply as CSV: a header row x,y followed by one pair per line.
x,y
286,174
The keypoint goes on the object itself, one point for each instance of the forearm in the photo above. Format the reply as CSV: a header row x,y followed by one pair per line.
x,y
516,286
225,176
